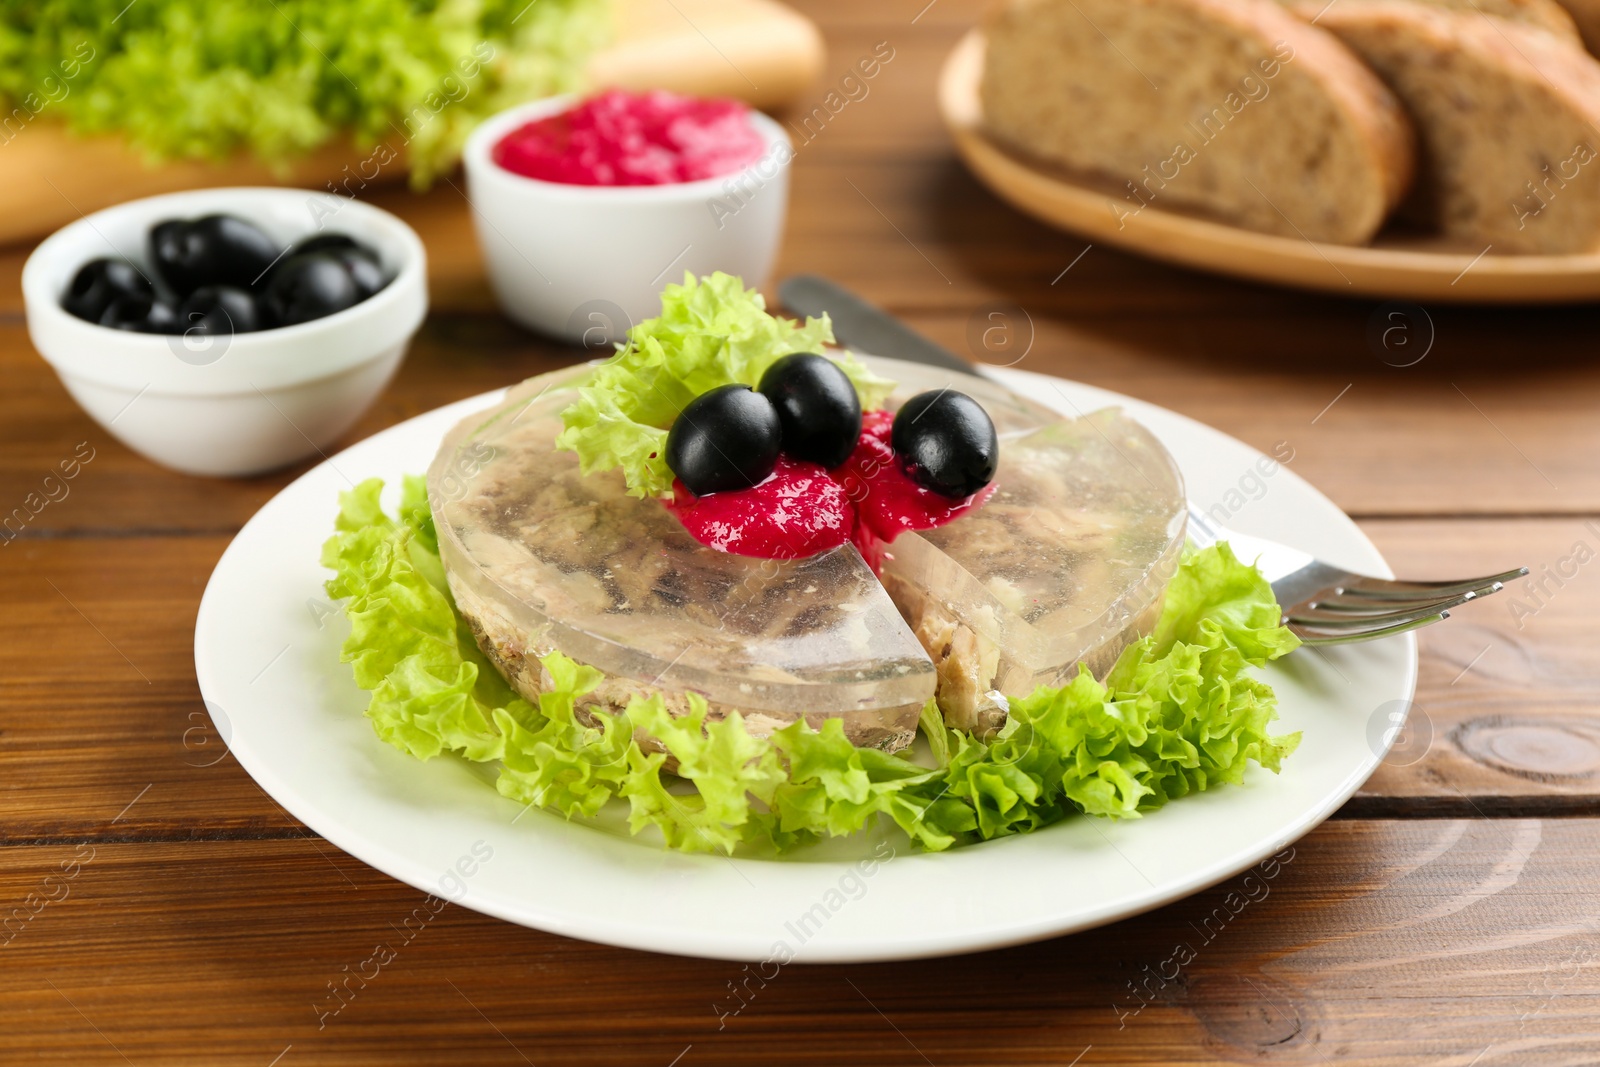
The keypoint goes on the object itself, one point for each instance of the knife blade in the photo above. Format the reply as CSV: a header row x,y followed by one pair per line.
x,y
863,326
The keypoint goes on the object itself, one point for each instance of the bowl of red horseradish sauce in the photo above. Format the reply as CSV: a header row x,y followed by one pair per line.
x,y
585,208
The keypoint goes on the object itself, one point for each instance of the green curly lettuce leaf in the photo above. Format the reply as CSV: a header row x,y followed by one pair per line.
x,y
563,763
432,690
206,78
728,767
710,332
1179,713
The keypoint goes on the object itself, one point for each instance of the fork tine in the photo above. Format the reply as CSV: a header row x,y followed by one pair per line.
x,y
1346,622
1350,606
1386,589
1311,638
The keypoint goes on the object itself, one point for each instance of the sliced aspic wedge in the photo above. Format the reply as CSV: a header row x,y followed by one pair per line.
x,y
1066,563
540,558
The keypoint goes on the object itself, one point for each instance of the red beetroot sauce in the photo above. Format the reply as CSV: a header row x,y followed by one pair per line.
x,y
802,509
621,138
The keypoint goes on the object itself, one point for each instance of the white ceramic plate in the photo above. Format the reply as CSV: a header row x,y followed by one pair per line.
x,y
267,657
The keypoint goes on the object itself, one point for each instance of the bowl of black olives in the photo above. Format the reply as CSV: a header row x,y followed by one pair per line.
x,y
227,331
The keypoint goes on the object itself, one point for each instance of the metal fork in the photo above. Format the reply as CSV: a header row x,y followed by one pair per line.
x,y
1326,605
1322,604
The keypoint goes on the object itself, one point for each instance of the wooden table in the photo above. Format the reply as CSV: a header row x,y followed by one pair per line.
x,y
1447,915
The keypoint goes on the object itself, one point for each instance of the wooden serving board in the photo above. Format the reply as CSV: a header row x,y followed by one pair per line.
x,y
759,51
1396,266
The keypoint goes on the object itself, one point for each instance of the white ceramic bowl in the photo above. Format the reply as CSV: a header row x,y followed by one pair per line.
x,y
584,262
229,405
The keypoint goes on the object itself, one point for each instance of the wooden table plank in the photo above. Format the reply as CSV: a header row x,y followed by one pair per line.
x,y
105,731
1454,434
196,922
1372,943
1462,439
882,204
1506,690
1504,718
119,491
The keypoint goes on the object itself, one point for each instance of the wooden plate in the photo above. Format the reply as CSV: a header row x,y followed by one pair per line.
x,y
759,51
1396,266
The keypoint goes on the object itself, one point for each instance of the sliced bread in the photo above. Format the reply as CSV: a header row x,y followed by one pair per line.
x,y
1544,14
1509,121
1586,14
1232,108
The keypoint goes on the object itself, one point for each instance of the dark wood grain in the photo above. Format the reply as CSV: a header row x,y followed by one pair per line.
x,y
1445,916
1471,429
1370,943
1504,714
1504,719
107,736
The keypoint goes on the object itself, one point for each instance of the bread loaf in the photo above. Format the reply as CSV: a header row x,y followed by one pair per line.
x,y
1233,108
1544,14
1586,14
1508,116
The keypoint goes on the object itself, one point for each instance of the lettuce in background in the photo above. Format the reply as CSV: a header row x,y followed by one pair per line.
x,y
205,78
1179,713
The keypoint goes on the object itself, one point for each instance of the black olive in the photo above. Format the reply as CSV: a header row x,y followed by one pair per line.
x,y
725,439
221,311
364,268
817,406
140,313
362,262
161,318
324,242
214,250
100,281
165,246
127,313
310,286
947,442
